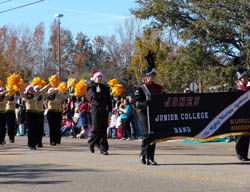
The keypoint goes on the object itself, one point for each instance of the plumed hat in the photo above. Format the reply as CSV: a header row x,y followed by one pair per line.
x,y
150,58
240,73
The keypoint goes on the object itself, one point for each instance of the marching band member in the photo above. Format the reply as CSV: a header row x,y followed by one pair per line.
x,y
40,110
3,101
54,101
101,105
30,98
11,117
141,93
242,141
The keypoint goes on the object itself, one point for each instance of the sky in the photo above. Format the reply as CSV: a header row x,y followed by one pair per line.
x,y
92,17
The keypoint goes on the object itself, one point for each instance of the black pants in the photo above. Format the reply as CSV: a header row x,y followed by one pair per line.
x,y
133,126
126,133
40,123
32,125
2,126
11,124
99,121
54,120
147,150
242,145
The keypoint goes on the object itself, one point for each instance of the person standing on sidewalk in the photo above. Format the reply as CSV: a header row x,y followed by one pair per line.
x,y
126,112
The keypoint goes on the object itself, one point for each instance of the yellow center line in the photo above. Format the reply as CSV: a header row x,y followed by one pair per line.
x,y
149,172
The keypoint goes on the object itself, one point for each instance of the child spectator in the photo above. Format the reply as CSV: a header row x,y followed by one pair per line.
x,y
67,123
84,116
118,127
111,132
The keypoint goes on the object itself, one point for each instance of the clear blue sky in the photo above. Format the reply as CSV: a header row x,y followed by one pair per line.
x,y
92,17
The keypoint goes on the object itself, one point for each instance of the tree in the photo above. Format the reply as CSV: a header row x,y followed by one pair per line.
x,y
151,41
67,47
4,67
82,55
39,51
221,27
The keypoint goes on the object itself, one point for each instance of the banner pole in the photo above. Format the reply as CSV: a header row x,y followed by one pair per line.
x,y
147,94
148,119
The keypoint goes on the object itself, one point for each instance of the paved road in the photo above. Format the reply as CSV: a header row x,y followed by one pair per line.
x,y
71,167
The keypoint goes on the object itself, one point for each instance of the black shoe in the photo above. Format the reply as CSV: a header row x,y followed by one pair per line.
x,y
142,159
241,158
104,152
92,150
53,144
2,142
151,162
40,145
12,141
245,159
32,147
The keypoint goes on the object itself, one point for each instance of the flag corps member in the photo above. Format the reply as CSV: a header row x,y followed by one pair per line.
x,y
242,141
141,99
101,105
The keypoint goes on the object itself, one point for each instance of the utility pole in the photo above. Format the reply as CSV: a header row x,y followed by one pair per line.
x,y
59,45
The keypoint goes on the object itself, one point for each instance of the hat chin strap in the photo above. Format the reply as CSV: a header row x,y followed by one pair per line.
x,y
242,82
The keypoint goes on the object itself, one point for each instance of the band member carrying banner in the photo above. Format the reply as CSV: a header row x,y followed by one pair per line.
x,y
242,141
141,99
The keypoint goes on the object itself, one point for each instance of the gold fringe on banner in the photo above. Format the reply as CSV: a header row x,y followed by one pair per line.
x,y
199,139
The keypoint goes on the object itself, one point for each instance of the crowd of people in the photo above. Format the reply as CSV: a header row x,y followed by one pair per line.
x,y
75,118
96,115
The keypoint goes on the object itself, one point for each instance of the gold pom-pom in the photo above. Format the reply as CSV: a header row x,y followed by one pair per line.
x,y
117,90
36,81
72,82
21,83
13,79
80,88
112,82
15,88
54,81
62,86
1,83
10,89
42,83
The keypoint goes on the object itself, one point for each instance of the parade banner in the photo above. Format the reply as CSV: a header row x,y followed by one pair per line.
x,y
199,116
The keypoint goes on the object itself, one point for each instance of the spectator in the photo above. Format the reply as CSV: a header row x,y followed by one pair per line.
x,y
126,111
67,123
20,119
112,126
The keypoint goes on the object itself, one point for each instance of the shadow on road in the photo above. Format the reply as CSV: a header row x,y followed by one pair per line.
x,y
35,174
209,164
